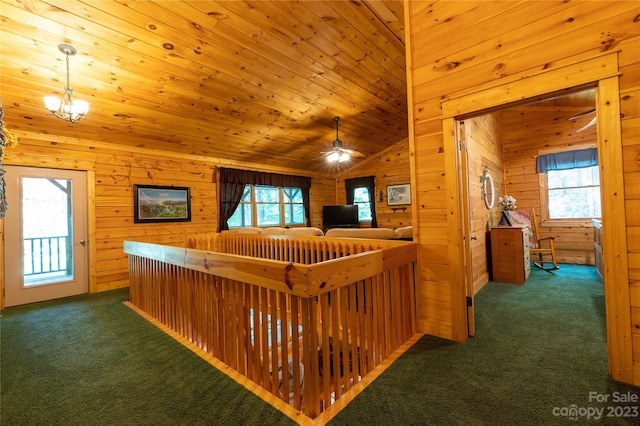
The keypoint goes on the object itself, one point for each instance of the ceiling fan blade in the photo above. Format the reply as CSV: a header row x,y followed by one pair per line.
x,y
582,114
352,153
586,126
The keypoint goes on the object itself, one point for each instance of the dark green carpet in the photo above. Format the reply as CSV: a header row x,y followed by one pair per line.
x,y
537,347
90,360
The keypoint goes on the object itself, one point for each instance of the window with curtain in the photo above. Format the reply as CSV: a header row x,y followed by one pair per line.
x,y
268,206
361,192
572,184
243,215
574,193
249,198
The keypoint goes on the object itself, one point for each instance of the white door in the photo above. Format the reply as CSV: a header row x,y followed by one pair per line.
x,y
45,246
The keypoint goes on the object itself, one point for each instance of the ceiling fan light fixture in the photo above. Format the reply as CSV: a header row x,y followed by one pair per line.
x,y
338,153
333,157
338,156
65,107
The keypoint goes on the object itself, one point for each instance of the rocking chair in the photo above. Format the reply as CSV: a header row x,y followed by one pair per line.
x,y
536,247
539,248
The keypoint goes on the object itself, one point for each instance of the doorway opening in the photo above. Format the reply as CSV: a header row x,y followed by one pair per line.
x,y
600,73
505,144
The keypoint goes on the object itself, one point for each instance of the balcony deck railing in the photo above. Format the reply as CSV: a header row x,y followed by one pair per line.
x,y
45,255
304,318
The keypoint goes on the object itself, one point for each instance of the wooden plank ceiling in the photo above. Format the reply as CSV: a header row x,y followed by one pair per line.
x,y
244,81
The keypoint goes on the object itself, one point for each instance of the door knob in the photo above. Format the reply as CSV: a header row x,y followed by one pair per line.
x,y
83,242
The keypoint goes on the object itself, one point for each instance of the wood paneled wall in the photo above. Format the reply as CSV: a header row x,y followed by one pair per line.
x,y
116,170
461,48
391,167
524,140
322,193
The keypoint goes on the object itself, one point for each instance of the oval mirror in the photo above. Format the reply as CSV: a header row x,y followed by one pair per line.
x,y
489,191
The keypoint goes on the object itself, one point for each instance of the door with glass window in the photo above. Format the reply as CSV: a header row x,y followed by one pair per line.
x,y
45,247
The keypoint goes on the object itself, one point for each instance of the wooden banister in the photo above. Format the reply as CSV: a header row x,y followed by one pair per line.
x,y
304,318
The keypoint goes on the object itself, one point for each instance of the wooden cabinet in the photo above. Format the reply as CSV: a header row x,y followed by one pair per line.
x,y
510,254
597,244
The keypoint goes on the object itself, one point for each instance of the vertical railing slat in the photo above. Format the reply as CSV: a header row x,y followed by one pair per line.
x,y
273,341
264,337
295,352
283,321
325,330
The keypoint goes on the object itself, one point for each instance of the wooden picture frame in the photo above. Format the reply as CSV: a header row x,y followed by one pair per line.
x,y
398,195
154,203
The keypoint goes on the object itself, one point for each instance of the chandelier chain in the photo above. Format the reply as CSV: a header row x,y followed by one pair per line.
x,y
68,78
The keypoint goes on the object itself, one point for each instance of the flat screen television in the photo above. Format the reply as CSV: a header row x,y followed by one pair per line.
x,y
345,216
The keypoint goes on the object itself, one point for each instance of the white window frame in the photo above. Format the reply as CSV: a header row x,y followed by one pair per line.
x,y
546,220
358,203
281,201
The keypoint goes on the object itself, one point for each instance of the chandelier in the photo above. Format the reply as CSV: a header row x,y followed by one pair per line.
x,y
66,108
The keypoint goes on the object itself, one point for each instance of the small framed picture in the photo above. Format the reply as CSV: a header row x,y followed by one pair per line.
x,y
398,194
152,203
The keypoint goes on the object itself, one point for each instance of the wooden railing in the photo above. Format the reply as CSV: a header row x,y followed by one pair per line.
x,y
321,312
45,255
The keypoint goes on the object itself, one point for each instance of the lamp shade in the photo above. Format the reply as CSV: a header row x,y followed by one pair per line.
x,y
52,103
79,108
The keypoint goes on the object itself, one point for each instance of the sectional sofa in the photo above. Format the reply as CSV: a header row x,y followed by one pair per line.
x,y
403,233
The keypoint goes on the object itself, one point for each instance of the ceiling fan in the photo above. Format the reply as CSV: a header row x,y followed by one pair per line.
x,y
582,114
339,153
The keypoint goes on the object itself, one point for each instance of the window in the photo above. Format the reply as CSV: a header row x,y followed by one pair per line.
x,y
242,216
268,206
360,192
574,193
362,199
293,206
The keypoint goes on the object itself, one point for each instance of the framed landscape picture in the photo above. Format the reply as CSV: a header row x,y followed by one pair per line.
x,y
398,195
152,203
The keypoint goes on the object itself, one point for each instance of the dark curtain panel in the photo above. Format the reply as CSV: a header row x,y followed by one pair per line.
x,y
230,196
306,203
567,160
232,182
368,182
